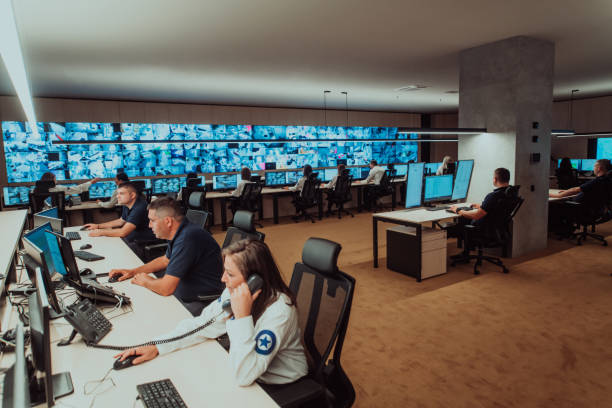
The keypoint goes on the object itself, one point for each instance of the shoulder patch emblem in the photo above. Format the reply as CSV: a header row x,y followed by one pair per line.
x,y
265,341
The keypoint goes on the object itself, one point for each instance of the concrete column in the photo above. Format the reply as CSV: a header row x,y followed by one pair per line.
x,y
505,87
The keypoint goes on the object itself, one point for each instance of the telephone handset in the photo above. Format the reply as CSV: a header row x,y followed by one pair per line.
x,y
254,282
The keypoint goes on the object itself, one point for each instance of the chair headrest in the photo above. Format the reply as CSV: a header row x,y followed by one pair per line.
x,y
195,198
244,220
321,255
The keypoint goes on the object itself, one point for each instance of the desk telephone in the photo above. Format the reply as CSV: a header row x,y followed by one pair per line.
x,y
255,282
87,321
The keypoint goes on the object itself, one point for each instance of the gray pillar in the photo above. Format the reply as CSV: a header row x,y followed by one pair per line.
x,y
505,87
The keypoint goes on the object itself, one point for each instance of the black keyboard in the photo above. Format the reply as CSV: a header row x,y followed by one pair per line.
x,y
160,394
459,209
73,235
438,207
87,256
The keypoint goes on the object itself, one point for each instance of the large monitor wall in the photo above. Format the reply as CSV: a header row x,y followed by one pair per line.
x,y
76,151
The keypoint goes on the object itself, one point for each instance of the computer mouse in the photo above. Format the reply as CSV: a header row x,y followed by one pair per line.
x,y
128,362
86,271
84,228
85,246
113,279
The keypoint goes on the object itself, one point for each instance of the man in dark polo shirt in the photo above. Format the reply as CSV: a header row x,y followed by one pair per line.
x,y
133,224
192,262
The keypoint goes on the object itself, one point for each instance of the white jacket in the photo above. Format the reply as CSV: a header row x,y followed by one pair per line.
x,y
269,351
375,175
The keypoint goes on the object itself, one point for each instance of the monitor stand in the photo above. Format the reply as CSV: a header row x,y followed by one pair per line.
x,y
62,386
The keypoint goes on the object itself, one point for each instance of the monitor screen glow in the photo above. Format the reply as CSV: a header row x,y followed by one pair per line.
x,y
414,184
462,179
438,188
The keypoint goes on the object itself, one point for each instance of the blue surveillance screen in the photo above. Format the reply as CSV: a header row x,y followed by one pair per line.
x,y
587,164
414,184
462,179
431,168
168,185
16,195
364,172
329,174
355,172
438,188
575,163
102,189
48,244
276,178
604,148
51,212
293,176
401,169
225,181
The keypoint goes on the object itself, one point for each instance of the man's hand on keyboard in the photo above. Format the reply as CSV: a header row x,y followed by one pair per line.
x,y
123,274
90,226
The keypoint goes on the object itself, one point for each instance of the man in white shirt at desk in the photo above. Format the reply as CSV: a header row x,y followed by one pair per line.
x,y
374,177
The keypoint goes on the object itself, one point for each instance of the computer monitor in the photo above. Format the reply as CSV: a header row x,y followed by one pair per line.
x,y
47,244
365,171
293,176
276,178
57,224
15,390
33,259
587,164
438,188
51,212
401,169
414,184
168,185
329,174
462,179
67,254
431,168
50,386
355,172
575,163
225,181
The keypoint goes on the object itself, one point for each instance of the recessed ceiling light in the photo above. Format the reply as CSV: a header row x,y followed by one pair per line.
x,y
409,88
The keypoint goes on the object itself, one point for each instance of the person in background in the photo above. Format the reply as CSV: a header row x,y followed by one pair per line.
x,y
120,178
300,183
332,184
133,224
445,167
81,188
566,175
245,178
375,174
374,177
190,176
264,333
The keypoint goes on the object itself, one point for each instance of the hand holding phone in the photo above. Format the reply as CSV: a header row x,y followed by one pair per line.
x,y
242,297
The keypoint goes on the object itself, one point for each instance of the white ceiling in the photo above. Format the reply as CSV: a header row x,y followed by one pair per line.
x,y
284,53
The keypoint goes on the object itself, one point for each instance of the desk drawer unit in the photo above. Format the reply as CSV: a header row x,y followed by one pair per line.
x,y
403,253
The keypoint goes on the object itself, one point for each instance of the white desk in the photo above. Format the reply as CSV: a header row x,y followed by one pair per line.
x,y
411,218
555,191
12,223
200,373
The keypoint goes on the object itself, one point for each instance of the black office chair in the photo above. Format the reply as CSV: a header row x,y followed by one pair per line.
x,y
195,209
377,192
141,188
341,194
496,232
566,179
243,227
37,202
186,193
596,212
249,200
307,198
324,298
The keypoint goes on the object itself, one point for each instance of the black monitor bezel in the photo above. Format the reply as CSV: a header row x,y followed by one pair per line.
x,y
469,182
38,303
68,257
19,370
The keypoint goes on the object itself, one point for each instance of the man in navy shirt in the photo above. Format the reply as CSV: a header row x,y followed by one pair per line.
x,y
133,224
192,262
480,214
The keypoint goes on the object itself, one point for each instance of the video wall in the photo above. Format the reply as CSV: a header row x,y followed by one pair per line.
x,y
604,148
198,148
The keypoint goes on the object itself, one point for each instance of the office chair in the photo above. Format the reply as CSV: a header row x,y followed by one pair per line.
x,y
592,214
341,194
494,233
37,202
141,188
195,209
186,193
324,297
249,200
376,192
307,198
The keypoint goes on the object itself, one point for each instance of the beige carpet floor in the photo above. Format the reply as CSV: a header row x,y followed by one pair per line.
x,y
540,336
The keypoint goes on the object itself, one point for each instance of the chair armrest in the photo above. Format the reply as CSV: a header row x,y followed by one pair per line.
x,y
155,246
207,298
